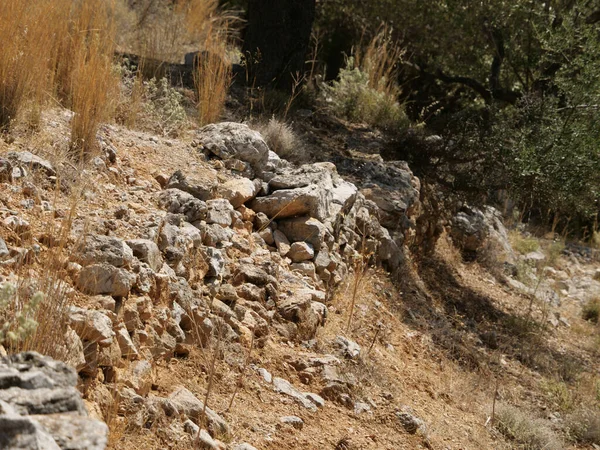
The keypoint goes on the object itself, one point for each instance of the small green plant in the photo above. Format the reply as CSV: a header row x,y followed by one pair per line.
x,y
164,106
353,99
584,425
19,322
523,244
530,433
591,310
560,394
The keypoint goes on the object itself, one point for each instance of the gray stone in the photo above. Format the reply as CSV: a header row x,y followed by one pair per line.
x,y
410,422
301,251
310,200
146,251
75,432
219,212
105,279
186,402
469,229
231,140
4,253
285,387
215,261
281,242
90,325
306,229
294,421
244,446
349,348
200,185
31,161
98,249
237,191
177,201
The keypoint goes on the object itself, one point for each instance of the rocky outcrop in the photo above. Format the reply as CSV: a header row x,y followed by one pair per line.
x,y
40,407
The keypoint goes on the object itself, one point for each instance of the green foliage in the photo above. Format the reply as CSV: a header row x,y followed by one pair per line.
x,y
523,244
591,311
530,433
164,105
19,323
352,98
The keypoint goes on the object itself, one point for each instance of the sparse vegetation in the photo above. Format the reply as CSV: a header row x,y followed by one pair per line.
x,y
281,138
591,310
528,432
583,425
523,244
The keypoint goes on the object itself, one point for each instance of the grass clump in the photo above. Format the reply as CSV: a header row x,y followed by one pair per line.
x,y
366,90
281,138
591,311
523,244
584,425
530,433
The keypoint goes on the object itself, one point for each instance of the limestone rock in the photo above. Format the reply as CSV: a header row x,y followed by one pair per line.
x,y
306,229
219,212
301,251
146,251
177,201
191,406
200,185
31,161
98,249
237,191
231,140
105,279
91,325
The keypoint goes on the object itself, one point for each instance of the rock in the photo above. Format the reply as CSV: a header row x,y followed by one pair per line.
x,y
310,200
247,273
75,433
19,225
219,212
349,349
128,349
244,446
316,399
469,229
306,229
6,170
301,251
261,221
410,422
230,140
31,161
281,242
205,441
146,251
338,393
98,249
305,268
294,421
177,201
361,407
91,325
99,279
266,375
237,191
200,185
40,407
139,377
215,261
4,253
285,387
187,403
534,257
191,428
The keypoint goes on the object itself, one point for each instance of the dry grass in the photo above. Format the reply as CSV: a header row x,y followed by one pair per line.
x,y
281,138
212,75
529,433
93,82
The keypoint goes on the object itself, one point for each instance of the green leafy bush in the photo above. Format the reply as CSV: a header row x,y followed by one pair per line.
x,y
352,97
19,322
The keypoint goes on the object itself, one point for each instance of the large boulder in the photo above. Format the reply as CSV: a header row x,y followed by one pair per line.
x,y
100,249
41,408
232,140
199,184
469,229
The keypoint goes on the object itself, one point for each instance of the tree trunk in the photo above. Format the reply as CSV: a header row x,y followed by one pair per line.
x,y
276,40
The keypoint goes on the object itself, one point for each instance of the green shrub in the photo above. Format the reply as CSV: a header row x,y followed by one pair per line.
x,y
523,244
584,425
591,310
353,98
530,433
19,322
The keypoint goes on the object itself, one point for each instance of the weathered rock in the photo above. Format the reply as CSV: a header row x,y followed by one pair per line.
x,y
215,261
237,191
146,251
90,325
252,274
98,249
219,212
31,161
285,387
177,201
201,185
6,169
139,377
230,140
469,229
4,253
306,229
349,348
310,200
128,349
244,446
281,242
301,251
191,406
40,407
294,421
410,422
105,279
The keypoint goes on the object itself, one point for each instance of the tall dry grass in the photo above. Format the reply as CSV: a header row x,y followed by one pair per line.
x,y
29,31
213,73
